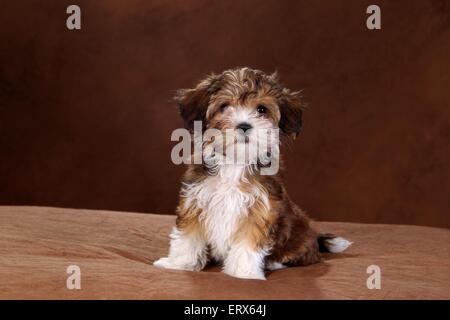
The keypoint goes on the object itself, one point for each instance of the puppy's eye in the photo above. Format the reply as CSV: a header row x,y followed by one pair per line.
x,y
261,109
223,107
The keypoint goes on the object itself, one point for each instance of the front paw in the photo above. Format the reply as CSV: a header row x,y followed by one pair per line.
x,y
245,274
168,263
253,276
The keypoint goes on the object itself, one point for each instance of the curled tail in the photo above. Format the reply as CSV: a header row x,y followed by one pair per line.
x,y
332,243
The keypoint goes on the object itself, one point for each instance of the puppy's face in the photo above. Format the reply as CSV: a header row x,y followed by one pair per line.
x,y
245,104
245,114
237,108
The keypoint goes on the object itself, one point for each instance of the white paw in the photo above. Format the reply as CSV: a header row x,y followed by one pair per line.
x,y
246,275
168,263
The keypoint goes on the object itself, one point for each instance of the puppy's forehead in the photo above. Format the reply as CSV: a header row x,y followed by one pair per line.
x,y
243,85
246,99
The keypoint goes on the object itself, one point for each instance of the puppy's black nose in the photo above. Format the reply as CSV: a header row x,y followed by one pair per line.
x,y
244,126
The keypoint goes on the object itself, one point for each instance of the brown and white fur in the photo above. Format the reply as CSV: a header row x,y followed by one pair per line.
x,y
231,213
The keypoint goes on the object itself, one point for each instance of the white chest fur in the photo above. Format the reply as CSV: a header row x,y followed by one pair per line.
x,y
223,204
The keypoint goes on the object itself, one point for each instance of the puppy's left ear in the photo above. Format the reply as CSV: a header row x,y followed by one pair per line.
x,y
291,110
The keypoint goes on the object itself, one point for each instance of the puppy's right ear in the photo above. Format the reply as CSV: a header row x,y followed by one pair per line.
x,y
193,103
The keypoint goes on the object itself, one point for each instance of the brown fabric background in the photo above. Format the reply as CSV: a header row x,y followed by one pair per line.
x,y
86,116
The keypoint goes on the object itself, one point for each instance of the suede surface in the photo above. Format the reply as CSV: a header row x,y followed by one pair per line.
x,y
115,251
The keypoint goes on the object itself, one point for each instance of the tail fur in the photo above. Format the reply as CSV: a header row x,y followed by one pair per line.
x,y
332,243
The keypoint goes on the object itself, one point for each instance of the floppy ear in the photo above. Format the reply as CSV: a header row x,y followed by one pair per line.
x,y
291,109
193,103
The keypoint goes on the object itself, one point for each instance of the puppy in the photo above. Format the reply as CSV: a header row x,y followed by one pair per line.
x,y
233,212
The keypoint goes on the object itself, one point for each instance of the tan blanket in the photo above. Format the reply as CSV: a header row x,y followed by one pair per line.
x,y
115,251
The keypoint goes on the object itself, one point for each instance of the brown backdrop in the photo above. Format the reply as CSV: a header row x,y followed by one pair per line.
x,y
86,116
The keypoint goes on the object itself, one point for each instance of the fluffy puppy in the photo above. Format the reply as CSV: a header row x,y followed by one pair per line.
x,y
233,212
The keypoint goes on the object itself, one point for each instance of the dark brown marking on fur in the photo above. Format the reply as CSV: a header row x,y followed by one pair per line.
x,y
291,113
323,241
193,103
294,241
